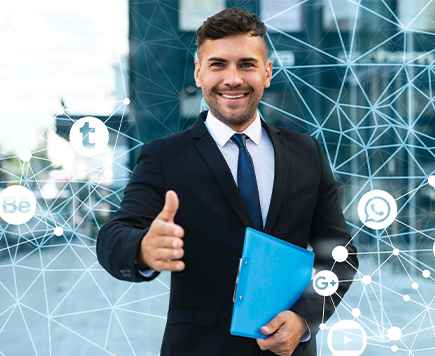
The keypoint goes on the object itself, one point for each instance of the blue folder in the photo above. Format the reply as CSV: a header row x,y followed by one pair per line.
x,y
273,273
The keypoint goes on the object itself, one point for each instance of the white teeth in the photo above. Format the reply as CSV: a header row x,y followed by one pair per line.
x,y
233,96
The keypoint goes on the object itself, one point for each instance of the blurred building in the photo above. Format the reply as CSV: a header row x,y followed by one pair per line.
x,y
356,75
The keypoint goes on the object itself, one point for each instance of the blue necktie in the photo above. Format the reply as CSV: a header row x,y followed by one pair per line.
x,y
247,182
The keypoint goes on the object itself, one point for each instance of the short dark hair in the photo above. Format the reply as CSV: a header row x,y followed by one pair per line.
x,y
232,21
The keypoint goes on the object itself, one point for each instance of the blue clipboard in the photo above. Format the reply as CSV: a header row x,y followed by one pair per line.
x,y
272,275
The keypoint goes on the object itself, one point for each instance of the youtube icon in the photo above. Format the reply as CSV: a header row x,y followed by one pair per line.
x,y
347,338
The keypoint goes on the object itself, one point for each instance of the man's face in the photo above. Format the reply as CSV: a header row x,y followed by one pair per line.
x,y
232,73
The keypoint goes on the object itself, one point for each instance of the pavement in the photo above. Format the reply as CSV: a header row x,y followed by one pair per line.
x,y
55,299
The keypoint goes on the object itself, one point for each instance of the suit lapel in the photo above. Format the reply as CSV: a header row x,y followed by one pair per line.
x,y
210,152
282,162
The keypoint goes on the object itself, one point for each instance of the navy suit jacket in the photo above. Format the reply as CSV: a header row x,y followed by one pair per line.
x,y
304,209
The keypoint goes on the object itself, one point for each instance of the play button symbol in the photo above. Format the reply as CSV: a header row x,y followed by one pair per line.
x,y
347,340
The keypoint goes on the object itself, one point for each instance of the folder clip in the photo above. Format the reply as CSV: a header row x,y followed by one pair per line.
x,y
237,279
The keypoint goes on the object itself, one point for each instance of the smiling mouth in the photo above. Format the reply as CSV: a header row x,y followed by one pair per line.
x,y
233,96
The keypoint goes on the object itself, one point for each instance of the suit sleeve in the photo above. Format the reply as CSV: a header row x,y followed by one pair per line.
x,y
328,230
118,240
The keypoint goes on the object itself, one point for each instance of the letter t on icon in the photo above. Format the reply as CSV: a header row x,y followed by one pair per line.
x,y
85,130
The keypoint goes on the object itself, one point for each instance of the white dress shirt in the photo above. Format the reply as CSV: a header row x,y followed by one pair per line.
x,y
261,150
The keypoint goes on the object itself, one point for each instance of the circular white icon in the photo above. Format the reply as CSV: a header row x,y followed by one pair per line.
x,y
367,279
325,283
340,253
394,333
377,209
356,313
89,136
347,338
25,155
17,205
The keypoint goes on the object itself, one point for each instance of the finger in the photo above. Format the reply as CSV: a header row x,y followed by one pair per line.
x,y
168,254
170,208
163,228
273,325
172,242
268,343
174,266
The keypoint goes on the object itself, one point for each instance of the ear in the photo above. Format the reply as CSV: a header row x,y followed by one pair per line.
x,y
268,74
196,73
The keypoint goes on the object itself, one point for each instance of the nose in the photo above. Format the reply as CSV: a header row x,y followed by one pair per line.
x,y
233,77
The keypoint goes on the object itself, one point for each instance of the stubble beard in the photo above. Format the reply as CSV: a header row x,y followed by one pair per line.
x,y
211,98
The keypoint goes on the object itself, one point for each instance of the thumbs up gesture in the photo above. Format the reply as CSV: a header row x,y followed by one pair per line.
x,y
162,246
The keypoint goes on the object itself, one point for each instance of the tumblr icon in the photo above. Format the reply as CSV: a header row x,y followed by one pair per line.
x,y
89,136
17,205
377,209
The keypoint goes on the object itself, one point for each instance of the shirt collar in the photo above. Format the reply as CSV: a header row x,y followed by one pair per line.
x,y
221,133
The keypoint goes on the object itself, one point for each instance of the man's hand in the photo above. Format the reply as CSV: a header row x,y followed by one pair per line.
x,y
162,245
287,328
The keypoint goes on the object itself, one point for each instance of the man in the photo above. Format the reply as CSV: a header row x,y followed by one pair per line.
x,y
186,208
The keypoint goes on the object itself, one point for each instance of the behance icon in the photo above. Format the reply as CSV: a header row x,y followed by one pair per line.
x,y
17,205
347,338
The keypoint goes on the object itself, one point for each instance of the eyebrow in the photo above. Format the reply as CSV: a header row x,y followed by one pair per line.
x,y
218,59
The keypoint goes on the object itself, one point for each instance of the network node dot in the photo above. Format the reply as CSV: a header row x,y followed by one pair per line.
x,y
367,279
426,273
322,326
108,173
394,333
394,348
431,181
415,285
61,112
127,101
25,155
58,231
406,298
340,253
396,252
356,312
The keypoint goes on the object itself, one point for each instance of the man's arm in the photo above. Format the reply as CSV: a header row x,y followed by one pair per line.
x,y
328,230
143,223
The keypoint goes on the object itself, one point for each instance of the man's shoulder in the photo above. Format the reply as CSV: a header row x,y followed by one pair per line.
x,y
183,137
169,147
293,137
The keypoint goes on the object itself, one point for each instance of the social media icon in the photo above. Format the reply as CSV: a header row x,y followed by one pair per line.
x,y
347,338
325,283
17,205
377,209
89,136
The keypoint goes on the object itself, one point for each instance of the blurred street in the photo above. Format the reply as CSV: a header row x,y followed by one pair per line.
x,y
59,298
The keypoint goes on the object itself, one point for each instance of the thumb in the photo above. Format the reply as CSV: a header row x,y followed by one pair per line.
x,y
272,326
170,208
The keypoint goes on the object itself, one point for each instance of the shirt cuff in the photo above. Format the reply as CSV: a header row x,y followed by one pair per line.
x,y
149,272
307,335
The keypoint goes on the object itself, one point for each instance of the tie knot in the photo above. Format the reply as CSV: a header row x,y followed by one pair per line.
x,y
239,139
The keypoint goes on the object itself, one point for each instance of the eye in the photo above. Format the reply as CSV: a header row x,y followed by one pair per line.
x,y
216,64
247,65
